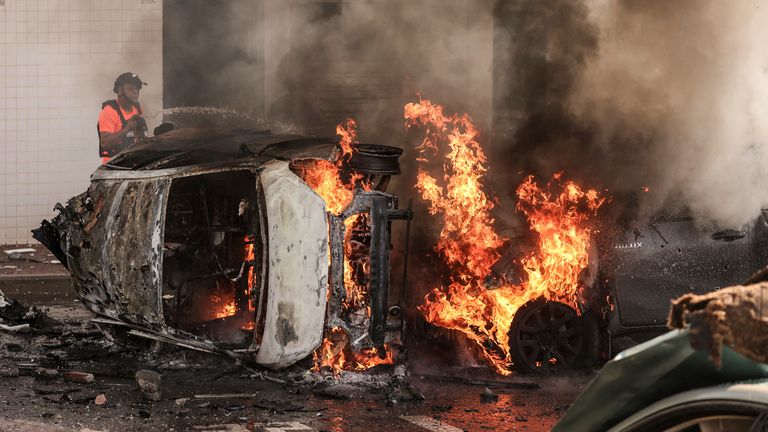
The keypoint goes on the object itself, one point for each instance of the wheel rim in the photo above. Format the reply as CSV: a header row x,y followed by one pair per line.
x,y
549,337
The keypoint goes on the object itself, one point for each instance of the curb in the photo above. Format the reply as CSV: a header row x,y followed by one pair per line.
x,y
39,289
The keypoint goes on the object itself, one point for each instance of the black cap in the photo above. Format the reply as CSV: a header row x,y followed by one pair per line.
x,y
128,78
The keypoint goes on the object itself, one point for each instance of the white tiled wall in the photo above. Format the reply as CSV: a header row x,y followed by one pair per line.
x,y
58,61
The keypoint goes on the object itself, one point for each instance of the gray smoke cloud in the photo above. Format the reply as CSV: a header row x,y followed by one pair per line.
x,y
671,95
620,94
690,79
367,58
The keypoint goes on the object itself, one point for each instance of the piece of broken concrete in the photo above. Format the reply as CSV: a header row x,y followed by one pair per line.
x,y
21,328
18,251
78,377
735,316
149,384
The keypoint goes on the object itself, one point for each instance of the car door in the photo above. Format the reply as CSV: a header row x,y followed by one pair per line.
x,y
664,258
297,281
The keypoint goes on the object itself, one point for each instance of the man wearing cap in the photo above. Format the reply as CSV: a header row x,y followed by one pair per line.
x,y
120,122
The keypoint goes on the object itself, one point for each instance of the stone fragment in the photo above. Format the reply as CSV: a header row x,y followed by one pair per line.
x,y
78,377
149,384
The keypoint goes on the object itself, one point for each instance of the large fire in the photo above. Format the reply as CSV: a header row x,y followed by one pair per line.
x,y
327,179
470,246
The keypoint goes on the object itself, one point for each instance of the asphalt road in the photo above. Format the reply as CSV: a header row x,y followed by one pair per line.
x,y
196,396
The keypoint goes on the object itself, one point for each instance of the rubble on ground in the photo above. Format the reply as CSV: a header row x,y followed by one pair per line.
x,y
149,383
16,316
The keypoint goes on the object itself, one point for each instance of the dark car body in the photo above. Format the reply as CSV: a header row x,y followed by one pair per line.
x,y
648,265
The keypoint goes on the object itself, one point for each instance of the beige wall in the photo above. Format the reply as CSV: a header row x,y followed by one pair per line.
x,y
58,61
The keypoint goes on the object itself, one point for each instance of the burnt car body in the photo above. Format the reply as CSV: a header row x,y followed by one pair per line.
x,y
634,275
209,239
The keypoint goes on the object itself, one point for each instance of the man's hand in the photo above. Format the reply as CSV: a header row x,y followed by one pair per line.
x,y
132,122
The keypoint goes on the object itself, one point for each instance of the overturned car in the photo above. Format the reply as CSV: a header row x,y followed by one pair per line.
x,y
211,240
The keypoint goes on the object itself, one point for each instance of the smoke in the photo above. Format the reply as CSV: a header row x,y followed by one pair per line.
x,y
665,95
623,94
689,78
367,58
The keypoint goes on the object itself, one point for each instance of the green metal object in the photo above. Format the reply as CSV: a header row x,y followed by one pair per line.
x,y
647,373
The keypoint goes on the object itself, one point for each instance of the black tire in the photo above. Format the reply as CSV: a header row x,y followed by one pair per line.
x,y
550,337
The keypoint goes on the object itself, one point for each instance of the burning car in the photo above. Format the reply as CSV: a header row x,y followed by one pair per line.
x,y
215,240
633,276
572,286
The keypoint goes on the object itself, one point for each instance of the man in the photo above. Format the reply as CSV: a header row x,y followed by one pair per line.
x,y
120,122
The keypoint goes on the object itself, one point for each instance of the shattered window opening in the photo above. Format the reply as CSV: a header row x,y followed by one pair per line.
x,y
210,251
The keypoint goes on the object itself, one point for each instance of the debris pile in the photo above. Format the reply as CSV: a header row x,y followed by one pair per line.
x,y
17,317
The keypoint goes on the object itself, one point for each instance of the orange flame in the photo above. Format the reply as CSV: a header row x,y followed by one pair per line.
x,y
347,133
324,177
469,245
335,355
249,260
356,266
222,307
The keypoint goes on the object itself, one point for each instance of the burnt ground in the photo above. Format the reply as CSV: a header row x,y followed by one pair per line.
x,y
204,392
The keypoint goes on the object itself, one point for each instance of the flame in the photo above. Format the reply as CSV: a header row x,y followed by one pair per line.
x,y
356,265
325,178
223,303
469,245
222,307
335,355
347,133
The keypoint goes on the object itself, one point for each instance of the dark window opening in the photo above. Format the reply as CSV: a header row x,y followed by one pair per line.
x,y
212,256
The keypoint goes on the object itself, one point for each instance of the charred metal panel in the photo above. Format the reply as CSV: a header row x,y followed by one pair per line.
x,y
382,208
114,248
297,270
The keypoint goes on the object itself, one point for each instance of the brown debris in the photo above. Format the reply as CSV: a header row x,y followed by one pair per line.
x,y
735,316
149,384
78,377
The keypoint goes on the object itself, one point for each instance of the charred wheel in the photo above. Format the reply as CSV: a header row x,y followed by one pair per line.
x,y
548,337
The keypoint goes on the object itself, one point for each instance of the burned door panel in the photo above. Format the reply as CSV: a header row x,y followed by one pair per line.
x,y
114,248
297,273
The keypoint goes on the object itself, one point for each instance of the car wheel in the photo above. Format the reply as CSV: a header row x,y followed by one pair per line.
x,y
550,337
